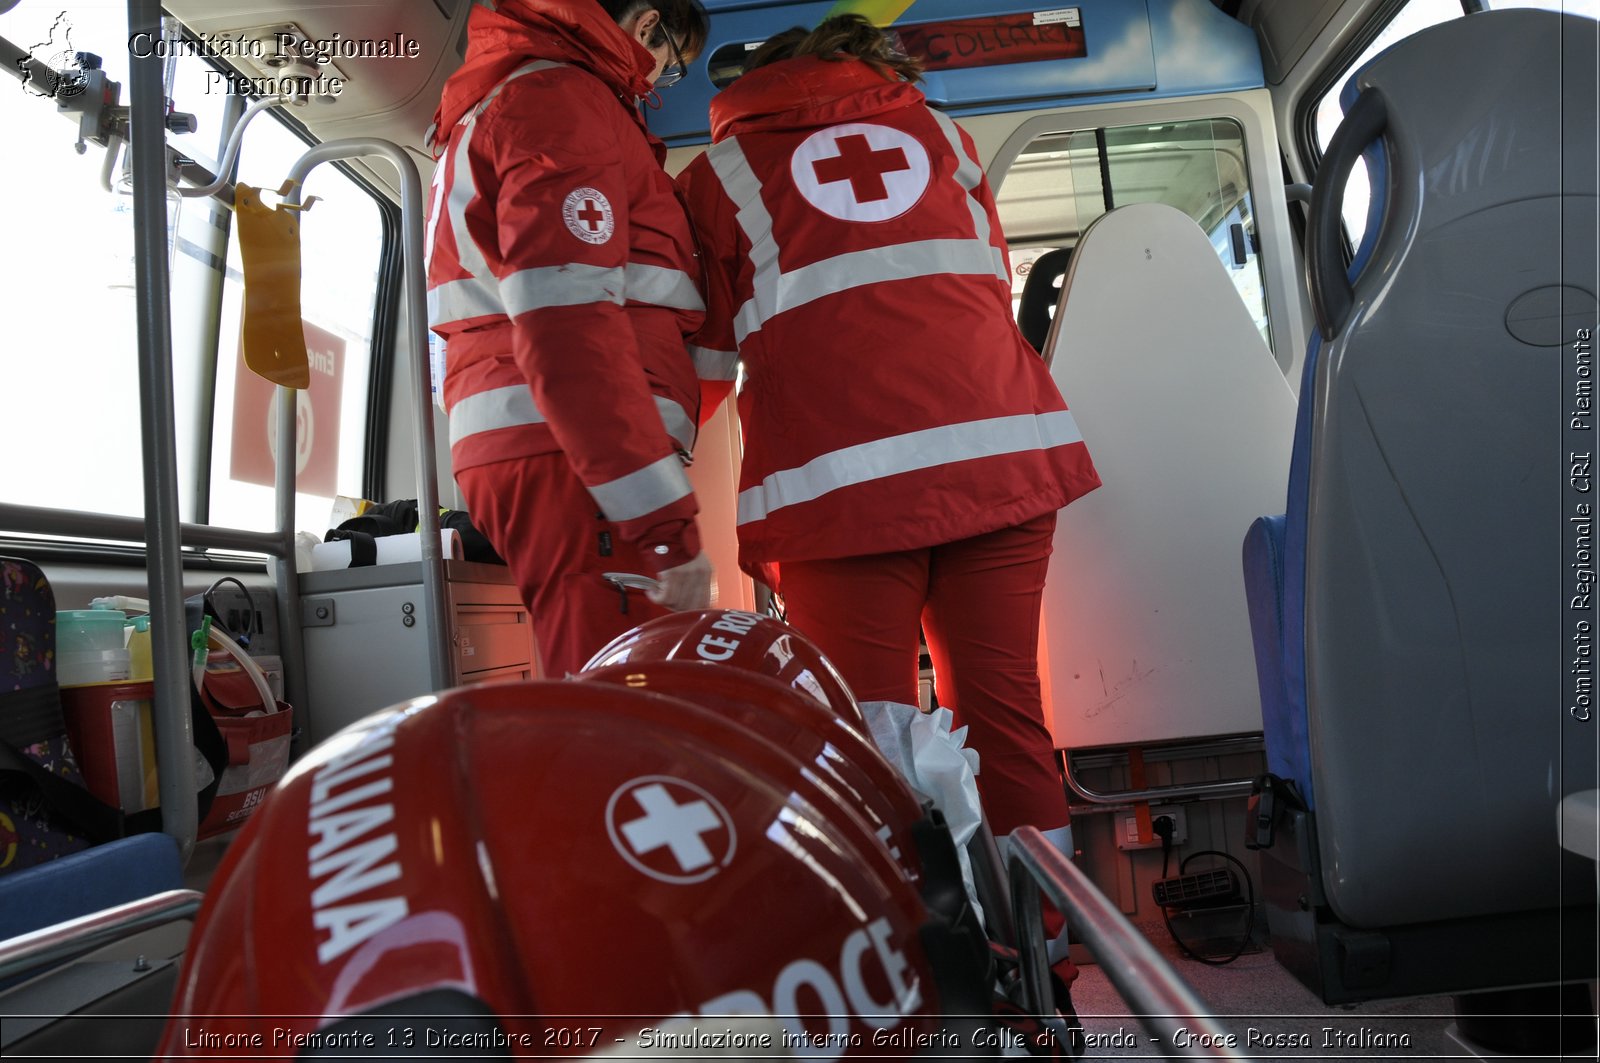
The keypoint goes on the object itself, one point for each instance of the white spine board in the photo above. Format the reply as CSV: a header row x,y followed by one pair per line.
x,y
1190,423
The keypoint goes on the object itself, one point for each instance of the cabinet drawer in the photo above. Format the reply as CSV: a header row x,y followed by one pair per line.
x,y
490,637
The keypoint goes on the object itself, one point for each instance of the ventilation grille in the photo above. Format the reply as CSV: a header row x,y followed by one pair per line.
x,y
1205,889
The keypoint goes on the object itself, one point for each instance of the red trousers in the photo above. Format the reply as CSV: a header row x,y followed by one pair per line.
x,y
977,602
553,537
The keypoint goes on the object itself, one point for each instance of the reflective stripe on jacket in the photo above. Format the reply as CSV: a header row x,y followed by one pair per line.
x,y
561,269
857,271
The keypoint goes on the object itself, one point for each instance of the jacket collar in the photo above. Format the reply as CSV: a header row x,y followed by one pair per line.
x,y
512,32
804,92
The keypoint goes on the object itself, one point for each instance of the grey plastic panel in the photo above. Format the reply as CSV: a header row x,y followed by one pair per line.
x,y
1434,590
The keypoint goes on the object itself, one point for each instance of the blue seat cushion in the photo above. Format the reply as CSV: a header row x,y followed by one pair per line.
x,y
88,881
1283,703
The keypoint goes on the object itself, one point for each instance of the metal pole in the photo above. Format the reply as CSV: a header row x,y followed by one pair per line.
x,y
1160,999
416,302
286,582
147,143
211,329
23,66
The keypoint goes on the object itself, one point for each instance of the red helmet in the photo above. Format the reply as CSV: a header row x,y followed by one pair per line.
x,y
849,762
561,868
756,643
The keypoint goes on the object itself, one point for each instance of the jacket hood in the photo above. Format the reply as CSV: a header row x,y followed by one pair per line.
x,y
808,91
516,31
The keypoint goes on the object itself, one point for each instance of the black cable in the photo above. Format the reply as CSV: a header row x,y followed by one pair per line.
x,y
242,637
1250,912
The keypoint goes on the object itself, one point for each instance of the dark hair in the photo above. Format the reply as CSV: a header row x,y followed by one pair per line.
x,y
686,20
840,37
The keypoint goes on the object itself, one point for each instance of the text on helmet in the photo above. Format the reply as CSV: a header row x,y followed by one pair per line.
x,y
348,854
718,648
805,987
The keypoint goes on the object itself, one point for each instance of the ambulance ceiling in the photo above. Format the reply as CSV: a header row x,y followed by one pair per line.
x,y
394,98
390,98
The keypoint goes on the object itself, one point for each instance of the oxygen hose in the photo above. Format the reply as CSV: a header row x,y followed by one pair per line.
x,y
221,640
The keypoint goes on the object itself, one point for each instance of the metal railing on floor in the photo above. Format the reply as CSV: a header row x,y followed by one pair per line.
x,y
1157,995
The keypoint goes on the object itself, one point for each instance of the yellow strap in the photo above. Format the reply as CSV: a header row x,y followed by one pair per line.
x,y
269,244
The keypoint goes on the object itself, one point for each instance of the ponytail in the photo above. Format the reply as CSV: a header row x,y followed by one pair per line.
x,y
838,38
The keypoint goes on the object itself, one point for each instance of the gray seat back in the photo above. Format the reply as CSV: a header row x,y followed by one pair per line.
x,y
1439,521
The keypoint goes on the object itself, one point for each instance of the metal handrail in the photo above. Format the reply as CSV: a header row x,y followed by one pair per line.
x,y
230,153
169,644
23,66
70,939
436,611
1214,789
1157,794
1161,1001
43,520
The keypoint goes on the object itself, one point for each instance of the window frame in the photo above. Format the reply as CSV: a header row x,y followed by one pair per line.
x,y
1332,75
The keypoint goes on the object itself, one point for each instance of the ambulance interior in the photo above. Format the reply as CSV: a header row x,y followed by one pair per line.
x,y
1161,212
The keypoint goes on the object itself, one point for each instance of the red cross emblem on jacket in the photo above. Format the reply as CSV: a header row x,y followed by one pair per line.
x,y
587,213
861,171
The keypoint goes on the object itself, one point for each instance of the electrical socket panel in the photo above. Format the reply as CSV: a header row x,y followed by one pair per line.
x,y
1127,828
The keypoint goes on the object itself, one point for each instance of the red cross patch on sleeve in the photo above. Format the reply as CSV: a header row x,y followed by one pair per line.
x,y
588,214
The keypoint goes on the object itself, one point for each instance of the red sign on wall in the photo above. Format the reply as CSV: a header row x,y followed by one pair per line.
x,y
255,420
994,40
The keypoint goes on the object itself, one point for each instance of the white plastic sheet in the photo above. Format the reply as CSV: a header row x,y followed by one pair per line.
x,y
937,763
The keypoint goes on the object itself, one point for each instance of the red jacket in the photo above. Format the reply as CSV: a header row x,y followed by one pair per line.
x,y
857,269
561,267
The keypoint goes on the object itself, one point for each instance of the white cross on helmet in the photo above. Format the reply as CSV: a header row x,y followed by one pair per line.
x,y
670,829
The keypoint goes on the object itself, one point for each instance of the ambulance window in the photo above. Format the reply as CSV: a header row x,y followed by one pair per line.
x,y
1415,15
1062,181
341,240
727,62
70,426
71,422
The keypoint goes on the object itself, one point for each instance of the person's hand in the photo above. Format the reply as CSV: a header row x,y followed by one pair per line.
x,y
688,586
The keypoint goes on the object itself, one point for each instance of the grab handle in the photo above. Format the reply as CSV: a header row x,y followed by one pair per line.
x,y
1331,293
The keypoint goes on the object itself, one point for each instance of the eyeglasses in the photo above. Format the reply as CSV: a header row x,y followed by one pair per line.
x,y
673,72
